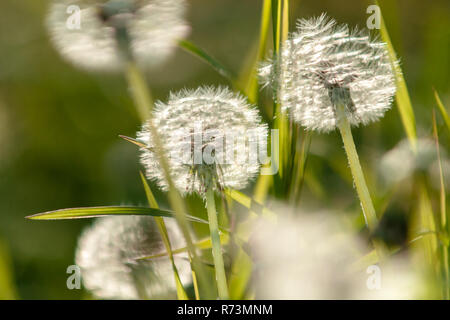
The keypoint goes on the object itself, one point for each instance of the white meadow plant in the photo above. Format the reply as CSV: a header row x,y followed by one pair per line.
x,y
328,76
199,129
152,28
108,253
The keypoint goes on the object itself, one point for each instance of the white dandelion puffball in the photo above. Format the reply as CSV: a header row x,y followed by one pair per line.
x,y
314,256
84,31
401,161
323,64
107,252
212,138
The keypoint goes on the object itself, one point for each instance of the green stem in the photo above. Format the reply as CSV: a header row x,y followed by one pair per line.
x,y
358,176
144,104
216,246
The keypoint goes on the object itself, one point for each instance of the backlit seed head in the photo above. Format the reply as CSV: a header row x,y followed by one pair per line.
x,y
107,253
323,64
151,29
212,138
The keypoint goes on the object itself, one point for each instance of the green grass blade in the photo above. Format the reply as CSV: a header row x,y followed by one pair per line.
x,y
204,244
202,55
402,98
442,109
181,293
250,203
443,214
249,79
7,288
95,212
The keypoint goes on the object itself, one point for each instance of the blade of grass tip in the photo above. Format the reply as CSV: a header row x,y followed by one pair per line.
x,y
442,109
94,212
249,80
443,213
142,98
181,293
134,141
300,160
208,59
402,97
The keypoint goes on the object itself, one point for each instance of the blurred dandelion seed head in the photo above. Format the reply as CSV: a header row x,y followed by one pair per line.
x,y
401,162
323,64
215,124
107,252
314,256
153,28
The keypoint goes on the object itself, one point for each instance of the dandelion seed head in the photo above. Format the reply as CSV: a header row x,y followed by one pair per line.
x,y
153,27
323,64
401,161
313,255
206,119
107,252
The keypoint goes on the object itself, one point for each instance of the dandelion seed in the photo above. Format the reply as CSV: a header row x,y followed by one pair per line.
x,y
152,28
107,253
214,117
324,64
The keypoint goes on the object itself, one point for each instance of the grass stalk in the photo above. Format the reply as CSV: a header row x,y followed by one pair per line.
x,y
216,246
144,104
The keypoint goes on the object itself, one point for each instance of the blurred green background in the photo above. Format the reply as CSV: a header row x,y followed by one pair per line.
x,y
59,126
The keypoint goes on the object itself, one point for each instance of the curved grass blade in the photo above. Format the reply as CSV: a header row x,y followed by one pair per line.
x,y
202,55
249,79
134,141
202,245
442,109
181,293
402,97
96,212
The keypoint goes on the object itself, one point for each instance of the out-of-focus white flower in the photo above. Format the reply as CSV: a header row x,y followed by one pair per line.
x,y
400,162
313,256
153,28
212,137
323,64
107,253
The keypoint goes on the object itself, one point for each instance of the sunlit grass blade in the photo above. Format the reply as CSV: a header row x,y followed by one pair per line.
x,y
443,215
241,272
250,203
442,109
7,289
134,141
249,79
202,55
181,293
96,212
402,97
204,244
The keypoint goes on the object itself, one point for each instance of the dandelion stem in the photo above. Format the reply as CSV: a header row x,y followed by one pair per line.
x,y
216,246
144,105
358,175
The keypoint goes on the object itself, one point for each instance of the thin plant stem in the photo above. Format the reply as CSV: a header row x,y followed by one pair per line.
x,y
357,173
443,214
216,246
144,104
